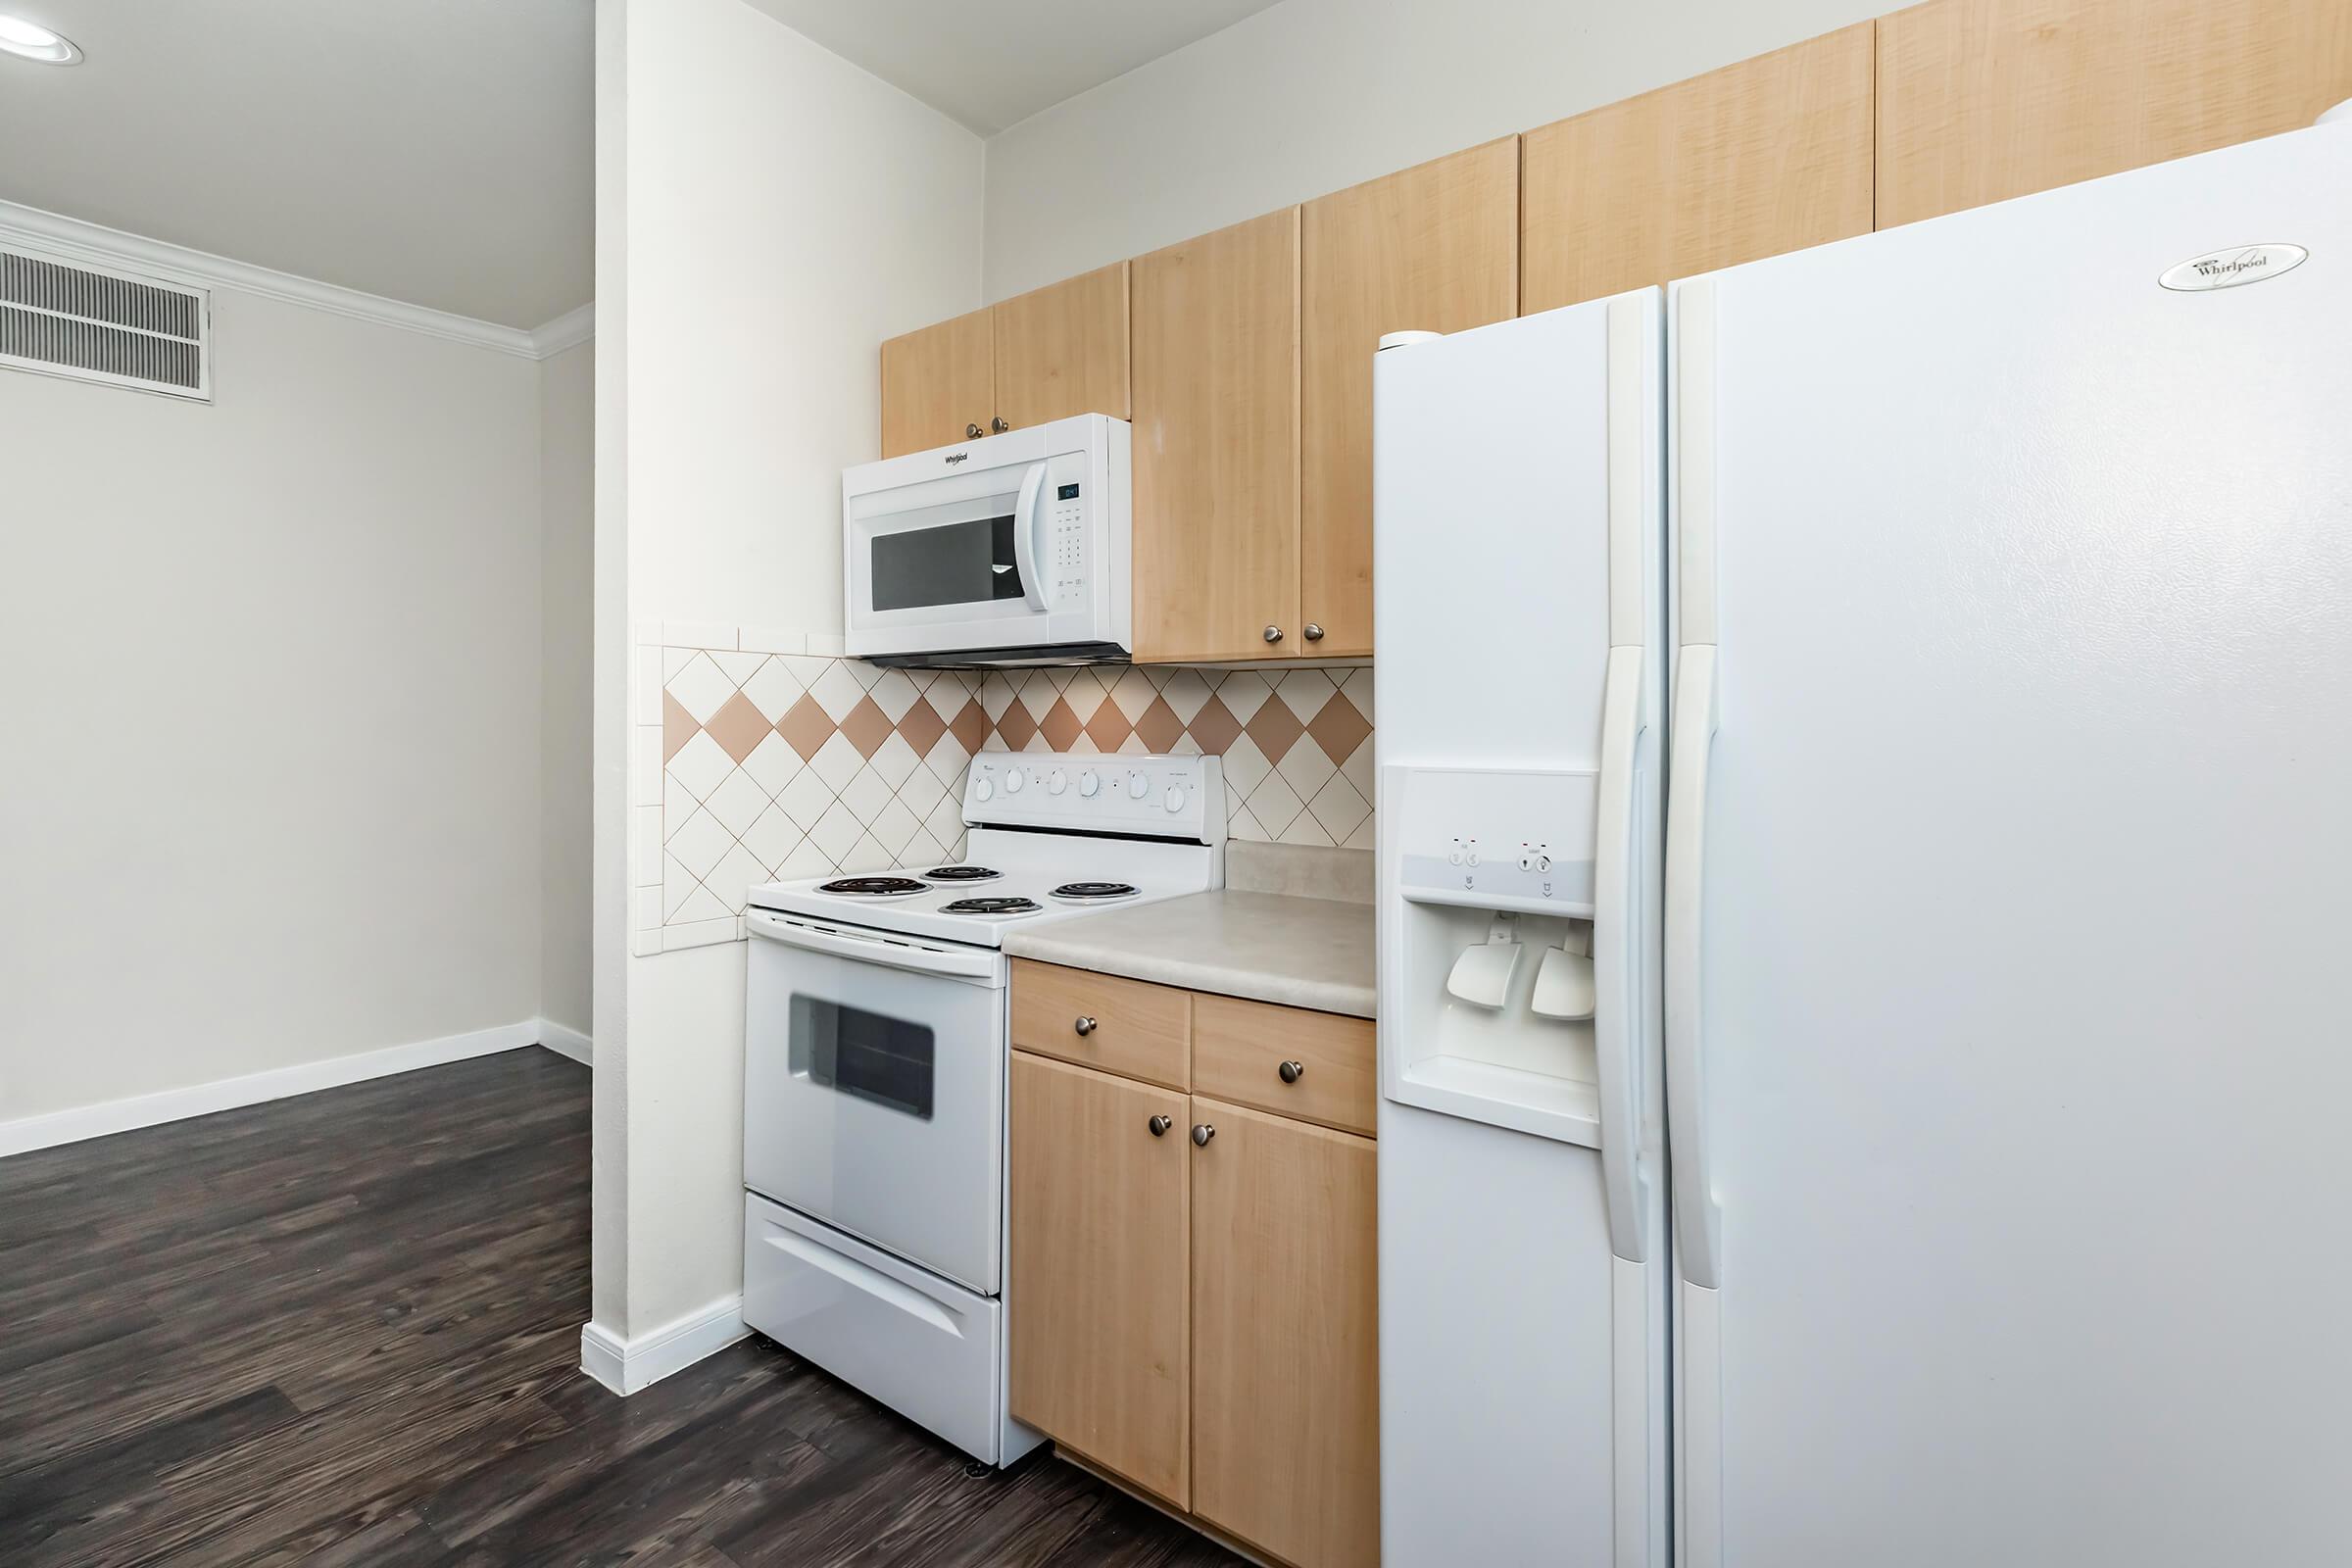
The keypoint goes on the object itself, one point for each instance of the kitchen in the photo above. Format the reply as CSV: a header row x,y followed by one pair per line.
x,y
1243,872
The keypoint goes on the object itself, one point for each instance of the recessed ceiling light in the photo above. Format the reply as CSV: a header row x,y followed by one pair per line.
x,y
34,41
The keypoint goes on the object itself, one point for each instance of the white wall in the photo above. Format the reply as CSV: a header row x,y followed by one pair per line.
x,y
566,570
272,783
766,214
1312,96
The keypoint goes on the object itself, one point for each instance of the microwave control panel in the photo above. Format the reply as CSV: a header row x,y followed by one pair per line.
x,y
1065,511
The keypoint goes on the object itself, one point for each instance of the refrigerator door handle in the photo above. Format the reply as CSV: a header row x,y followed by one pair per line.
x,y
1696,1218
1617,953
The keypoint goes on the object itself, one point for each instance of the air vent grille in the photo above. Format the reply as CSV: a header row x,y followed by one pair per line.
x,y
97,325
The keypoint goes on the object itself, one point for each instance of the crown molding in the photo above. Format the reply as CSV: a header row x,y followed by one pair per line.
x,y
70,239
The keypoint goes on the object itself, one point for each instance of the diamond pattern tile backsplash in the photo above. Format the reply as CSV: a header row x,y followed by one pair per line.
x,y
773,765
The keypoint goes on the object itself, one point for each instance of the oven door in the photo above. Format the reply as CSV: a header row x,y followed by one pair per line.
x,y
873,1089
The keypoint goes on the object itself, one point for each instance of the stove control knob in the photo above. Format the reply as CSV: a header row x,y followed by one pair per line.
x,y
1087,784
1138,786
1174,799
1013,781
1056,781
983,790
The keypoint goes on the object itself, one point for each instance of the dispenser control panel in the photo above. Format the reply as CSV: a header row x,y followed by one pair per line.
x,y
1493,839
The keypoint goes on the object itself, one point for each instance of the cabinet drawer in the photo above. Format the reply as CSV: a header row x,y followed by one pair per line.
x,y
1097,1020
1239,1048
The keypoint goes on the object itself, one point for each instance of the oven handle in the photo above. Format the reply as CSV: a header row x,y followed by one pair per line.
x,y
1028,517
973,963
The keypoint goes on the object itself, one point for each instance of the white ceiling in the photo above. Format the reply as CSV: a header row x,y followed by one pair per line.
x,y
993,63
439,152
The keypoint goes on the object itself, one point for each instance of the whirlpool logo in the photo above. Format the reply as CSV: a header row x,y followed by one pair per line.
x,y
954,458
2234,268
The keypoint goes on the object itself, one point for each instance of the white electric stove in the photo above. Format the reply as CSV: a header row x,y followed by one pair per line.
x,y
876,1054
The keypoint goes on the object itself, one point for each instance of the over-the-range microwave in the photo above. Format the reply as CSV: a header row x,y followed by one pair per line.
x,y
1008,549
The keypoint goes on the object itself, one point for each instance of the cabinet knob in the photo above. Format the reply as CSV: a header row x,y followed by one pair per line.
x,y
1159,1125
1202,1134
1273,634
1314,633
1291,1071
972,433
999,425
1085,1025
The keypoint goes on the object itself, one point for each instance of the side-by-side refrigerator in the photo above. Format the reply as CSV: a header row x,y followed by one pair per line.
x,y
2009,883
1520,611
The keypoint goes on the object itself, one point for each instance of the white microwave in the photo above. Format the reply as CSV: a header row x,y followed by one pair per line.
x,y
1009,550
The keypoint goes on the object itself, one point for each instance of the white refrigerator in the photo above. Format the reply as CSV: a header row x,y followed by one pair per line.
x,y
1519,531
2009,888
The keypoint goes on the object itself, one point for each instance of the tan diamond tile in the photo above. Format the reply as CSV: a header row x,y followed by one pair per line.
x,y
738,728
1276,729
971,726
923,728
807,726
1160,726
1060,726
677,726
1016,726
1213,727
866,726
1340,728
1109,727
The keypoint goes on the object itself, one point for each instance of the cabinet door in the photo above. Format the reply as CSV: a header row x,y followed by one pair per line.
x,y
1770,155
1286,1375
1216,445
937,383
1981,100
1062,350
1434,248
1095,1291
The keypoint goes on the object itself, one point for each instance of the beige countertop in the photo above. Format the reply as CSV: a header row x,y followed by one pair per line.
x,y
1269,946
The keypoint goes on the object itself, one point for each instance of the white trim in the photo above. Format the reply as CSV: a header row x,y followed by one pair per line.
x,y
567,1043
111,1116
73,240
627,1366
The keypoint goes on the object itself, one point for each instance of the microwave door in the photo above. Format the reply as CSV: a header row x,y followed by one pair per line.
x,y
1028,517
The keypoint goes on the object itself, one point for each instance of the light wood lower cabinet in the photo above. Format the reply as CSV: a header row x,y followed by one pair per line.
x,y
1097,1294
1285,1347
1194,1302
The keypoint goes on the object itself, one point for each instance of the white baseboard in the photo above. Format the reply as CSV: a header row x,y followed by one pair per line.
x,y
627,1366
27,1133
567,1043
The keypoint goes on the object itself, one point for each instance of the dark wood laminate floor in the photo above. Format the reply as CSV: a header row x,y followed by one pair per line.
x,y
344,1329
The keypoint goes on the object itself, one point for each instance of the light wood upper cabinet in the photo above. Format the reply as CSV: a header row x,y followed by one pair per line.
x,y
1434,248
1770,155
1096,1281
1215,386
1062,350
1981,100
937,383
1286,1373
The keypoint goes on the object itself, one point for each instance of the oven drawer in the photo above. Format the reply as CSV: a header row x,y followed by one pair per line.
x,y
1317,1066
1126,1027
931,1350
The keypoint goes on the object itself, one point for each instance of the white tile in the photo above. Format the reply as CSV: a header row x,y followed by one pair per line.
x,y
677,804
1304,692
1357,770
866,675
837,691
645,847
772,689
836,761
1037,694
1274,804
772,837
674,659
868,853
772,763
948,761
645,701
1356,687
1305,768
1338,807
1039,743
922,791
806,799
649,635
1185,691
962,849
1240,824
701,763
946,821
1242,693
1132,746
645,765
700,933
678,886
699,845
805,859
773,640
995,694
804,669
1366,835
1184,745
737,802
733,876
1134,692
866,793
699,634
894,694
1060,675
946,698
645,943
1088,687
894,828
835,830
1244,767
925,850
825,644
700,687
645,909
1303,829
738,667
894,760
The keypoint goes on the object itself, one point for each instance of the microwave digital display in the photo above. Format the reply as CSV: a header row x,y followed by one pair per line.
x,y
1069,492
955,564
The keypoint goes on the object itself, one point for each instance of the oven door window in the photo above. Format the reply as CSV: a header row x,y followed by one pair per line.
x,y
884,1061
950,563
